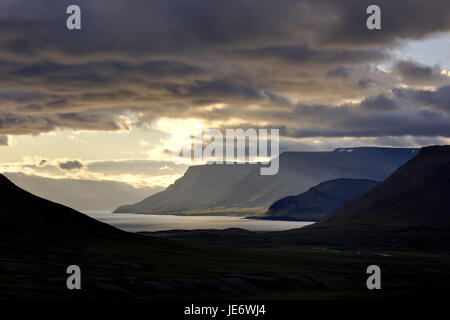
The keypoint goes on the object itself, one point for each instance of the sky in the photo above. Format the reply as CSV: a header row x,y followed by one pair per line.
x,y
101,103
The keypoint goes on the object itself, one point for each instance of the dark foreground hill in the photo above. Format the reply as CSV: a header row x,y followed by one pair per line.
x,y
40,239
240,189
79,194
319,201
24,215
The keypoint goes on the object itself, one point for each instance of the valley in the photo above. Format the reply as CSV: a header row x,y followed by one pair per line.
x,y
326,260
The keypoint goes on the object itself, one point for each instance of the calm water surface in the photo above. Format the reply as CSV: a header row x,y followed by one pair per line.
x,y
140,222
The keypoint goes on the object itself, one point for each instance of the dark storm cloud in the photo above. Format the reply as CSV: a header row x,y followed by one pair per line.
x,y
304,54
374,117
410,70
365,83
423,123
379,103
418,74
100,72
340,72
168,26
22,96
439,99
172,57
218,89
34,124
400,20
70,165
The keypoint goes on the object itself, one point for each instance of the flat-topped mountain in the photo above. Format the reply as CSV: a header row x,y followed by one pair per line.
x,y
234,189
319,201
416,195
199,185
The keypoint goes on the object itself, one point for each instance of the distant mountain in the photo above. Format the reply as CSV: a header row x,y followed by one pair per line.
x,y
416,195
82,195
240,189
319,201
408,210
199,185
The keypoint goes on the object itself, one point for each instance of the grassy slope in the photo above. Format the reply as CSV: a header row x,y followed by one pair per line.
x,y
39,239
138,269
240,189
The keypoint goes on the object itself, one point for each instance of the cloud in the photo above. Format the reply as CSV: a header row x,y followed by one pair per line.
x,y
105,72
379,103
215,90
414,73
438,99
137,173
303,54
173,26
306,66
19,123
70,165
340,72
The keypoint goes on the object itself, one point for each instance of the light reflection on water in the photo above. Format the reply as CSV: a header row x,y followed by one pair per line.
x,y
140,222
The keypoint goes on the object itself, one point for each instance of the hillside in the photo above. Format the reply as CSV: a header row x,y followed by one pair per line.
x,y
319,201
199,185
408,210
81,195
24,215
416,195
232,189
39,239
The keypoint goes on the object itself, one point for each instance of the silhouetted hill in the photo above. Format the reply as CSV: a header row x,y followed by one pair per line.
x,y
40,239
23,214
416,195
79,194
319,201
241,189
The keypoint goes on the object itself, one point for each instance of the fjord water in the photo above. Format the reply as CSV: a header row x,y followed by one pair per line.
x,y
142,222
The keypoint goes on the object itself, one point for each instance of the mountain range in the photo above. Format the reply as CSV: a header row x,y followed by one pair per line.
x,y
319,201
401,224
415,195
240,189
408,210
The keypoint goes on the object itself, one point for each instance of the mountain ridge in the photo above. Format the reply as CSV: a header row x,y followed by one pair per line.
x,y
408,210
419,191
318,201
247,192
